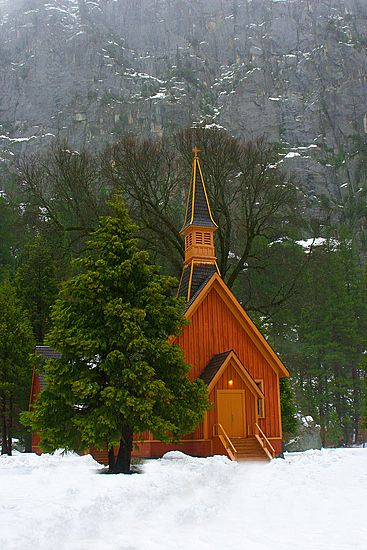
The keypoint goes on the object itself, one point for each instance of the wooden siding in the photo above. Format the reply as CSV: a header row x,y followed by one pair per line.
x,y
213,329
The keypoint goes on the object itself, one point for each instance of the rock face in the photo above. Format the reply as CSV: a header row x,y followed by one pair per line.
x,y
307,437
292,70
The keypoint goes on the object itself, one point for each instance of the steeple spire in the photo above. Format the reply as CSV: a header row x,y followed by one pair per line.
x,y
198,208
198,230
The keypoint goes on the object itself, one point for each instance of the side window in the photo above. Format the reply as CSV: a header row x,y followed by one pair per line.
x,y
260,400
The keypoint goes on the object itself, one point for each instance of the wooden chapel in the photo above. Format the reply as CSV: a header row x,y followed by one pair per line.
x,y
224,348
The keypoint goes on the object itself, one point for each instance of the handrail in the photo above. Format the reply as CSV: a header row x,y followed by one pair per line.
x,y
226,437
261,442
264,438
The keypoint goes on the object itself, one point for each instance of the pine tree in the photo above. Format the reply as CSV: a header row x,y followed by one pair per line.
x,y
16,345
7,235
37,284
288,408
118,374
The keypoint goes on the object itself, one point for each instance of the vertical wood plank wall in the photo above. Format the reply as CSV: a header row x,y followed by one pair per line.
x,y
214,329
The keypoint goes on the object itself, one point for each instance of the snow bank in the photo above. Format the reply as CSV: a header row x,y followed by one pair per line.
x,y
309,500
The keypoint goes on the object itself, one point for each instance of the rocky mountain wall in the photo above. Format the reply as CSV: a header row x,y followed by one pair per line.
x,y
291,70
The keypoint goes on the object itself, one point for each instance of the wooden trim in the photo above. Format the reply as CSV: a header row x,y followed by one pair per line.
x,y
242,371
193,190
264,440
179,285
279,408
268,454
190,282
32,386
187,202
247,324
261,382
205,425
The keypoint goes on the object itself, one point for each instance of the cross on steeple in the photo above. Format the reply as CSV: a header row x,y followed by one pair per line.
x,y
196,151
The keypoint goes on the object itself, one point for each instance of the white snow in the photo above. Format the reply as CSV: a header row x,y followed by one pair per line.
x,y
307,243
291,155
313,500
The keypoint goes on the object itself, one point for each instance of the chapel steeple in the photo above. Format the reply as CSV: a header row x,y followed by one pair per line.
x,y
198,230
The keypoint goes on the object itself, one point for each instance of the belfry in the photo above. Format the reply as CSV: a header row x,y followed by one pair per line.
x,y
198,230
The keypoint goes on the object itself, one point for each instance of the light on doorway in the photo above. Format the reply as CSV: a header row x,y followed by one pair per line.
x,y
230,382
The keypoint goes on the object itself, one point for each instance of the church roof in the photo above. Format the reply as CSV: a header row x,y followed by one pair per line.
x,y
194,278
213,366
198,209
217,364
47,353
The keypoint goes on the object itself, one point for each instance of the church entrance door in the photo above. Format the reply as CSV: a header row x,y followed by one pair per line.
x,y
231,412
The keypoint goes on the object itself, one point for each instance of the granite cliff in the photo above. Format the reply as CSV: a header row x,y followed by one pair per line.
x,y
292,70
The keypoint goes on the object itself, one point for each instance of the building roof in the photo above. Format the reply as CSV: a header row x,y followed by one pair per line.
x,y
194,278
217,365
213,366
47,352
198,209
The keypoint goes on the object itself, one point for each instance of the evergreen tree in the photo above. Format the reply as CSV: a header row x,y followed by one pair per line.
x,y
16,345
118,374
37,284
322,337
288,408
7,235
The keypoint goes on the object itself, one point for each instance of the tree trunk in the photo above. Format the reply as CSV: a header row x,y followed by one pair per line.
x,y
28,442
4,434
111,459
10,427
123,459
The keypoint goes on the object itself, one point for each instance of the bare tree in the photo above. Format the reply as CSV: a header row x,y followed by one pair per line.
x,y
63,191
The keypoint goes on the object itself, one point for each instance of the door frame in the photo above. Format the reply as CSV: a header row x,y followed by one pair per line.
x,y
243,407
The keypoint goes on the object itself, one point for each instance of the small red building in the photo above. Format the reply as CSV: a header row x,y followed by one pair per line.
x,y
225,349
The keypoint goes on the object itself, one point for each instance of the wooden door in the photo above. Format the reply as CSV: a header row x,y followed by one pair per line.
x,y
231,412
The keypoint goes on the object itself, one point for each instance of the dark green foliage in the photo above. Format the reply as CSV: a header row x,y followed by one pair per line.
x,y
8,236
16,345
37,284
288,408
321,333
118,374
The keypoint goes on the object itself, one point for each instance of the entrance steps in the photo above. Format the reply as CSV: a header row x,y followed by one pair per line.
x,y
248,449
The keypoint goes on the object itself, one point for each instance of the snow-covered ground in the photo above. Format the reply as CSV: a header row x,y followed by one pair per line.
x,y
314,500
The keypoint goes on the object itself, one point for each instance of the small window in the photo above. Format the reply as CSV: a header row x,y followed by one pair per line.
x,y
188,240
199,238
260,400
207,239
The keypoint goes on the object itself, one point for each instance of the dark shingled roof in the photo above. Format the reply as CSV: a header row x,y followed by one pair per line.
x,y
200,276
47,353
213,366
198,202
